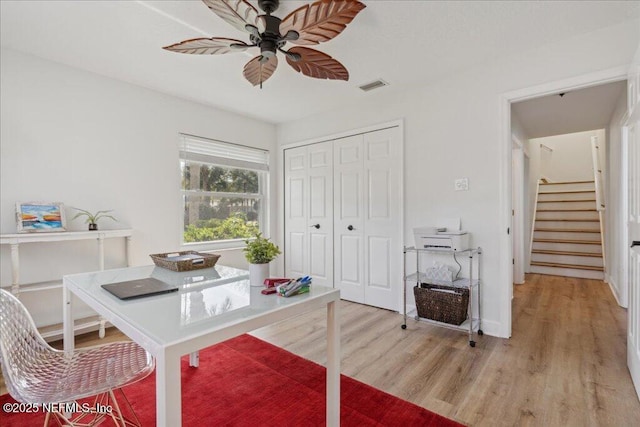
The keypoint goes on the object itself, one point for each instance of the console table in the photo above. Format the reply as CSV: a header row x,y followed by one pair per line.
x,y
16,240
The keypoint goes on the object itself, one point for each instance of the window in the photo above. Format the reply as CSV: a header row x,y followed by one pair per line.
x,y
223,190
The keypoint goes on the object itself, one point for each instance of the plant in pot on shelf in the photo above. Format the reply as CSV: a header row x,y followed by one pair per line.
x,y
92,218
259,252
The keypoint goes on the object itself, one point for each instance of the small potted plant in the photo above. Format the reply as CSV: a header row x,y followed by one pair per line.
x,y
259,252
92,218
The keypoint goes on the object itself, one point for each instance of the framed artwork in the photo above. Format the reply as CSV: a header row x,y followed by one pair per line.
x,y
38,217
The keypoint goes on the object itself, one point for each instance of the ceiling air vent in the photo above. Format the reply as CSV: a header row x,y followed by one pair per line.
x,y
373,85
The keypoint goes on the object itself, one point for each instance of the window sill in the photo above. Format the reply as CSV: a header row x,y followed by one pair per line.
x,y
214,246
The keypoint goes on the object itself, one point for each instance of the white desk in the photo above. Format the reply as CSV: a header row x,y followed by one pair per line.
x,y
211,306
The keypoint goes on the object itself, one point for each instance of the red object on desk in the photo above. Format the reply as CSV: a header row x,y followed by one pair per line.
x,y
269,291
272,282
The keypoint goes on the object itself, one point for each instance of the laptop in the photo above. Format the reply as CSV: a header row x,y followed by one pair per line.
x,y
139,288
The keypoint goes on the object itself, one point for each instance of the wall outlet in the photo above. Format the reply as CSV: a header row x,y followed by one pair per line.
x,y
461,184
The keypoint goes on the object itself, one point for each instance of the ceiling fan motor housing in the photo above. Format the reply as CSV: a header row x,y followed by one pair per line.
x,y
269,6
271,39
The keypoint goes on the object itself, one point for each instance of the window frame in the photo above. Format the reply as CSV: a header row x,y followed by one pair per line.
x,y
262,196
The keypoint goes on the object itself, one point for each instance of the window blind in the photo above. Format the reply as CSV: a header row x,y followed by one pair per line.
x,y
204,150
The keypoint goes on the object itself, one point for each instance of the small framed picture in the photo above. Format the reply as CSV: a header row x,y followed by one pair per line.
x,y
40,217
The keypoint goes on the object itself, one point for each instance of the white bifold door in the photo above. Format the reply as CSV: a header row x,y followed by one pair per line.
x,y
367,218
343,220
309,212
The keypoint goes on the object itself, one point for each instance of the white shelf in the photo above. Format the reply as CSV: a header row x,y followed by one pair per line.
x,y
17,287
40,286
464,326
61,236
458,283
86,324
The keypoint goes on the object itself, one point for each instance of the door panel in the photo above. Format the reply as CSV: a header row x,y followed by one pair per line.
x,y
296,265
309,212
318,263
295,212
379,262
348,219
350,195
320,221
379,194
383,227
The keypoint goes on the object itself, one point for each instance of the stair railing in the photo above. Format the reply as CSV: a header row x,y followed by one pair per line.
x,y
597,178
533,220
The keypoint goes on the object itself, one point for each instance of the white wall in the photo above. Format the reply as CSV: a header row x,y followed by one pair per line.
x,y
452,130
571,158
519,135
616,228
96,143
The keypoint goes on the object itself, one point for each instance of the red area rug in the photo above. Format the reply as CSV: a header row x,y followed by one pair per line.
x,y
248,382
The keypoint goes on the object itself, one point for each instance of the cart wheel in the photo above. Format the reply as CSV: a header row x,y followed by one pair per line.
x,y
417,317
404,326
472,343
480,332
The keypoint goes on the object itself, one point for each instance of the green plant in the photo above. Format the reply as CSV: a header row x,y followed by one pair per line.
x,y
92,218
260,250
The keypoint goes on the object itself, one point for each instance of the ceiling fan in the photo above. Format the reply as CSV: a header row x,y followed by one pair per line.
x,y
311,24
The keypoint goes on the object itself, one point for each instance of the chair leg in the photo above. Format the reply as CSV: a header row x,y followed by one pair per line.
x,y
93,418
117,414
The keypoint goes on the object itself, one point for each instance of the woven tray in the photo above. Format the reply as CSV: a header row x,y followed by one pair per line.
x,y
185,260
448,307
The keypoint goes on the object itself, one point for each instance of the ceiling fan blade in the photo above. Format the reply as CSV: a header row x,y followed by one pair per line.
x,y
317,64
238,13
212,46
320,21
259,69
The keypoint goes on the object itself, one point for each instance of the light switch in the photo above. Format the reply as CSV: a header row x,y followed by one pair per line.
x,y
461,184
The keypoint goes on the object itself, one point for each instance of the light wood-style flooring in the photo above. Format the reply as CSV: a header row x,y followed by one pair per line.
x,y
565,364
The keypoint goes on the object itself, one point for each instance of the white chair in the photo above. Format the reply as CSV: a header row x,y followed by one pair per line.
x,y
36,373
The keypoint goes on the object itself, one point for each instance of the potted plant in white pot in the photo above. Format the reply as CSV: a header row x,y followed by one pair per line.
x,y
259,252
92,218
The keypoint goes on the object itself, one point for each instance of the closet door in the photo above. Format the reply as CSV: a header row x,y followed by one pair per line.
x,y
309,212
349,218
367,219
382,234
320,217
295,209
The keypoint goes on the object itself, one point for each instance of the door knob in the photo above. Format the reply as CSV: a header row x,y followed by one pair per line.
x,y
635,243
316,226
350,228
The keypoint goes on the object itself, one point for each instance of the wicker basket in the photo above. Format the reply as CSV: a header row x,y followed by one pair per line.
x,y
448,307
185,260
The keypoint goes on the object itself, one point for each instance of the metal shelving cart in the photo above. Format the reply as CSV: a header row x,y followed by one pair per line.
x,y
472,324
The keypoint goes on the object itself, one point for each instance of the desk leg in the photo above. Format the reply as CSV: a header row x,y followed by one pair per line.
x,y
168,390
333,364
67,320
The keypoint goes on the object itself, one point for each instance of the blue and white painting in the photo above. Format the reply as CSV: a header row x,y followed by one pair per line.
x,y
40,217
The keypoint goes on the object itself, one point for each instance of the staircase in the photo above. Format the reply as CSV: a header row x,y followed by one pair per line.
x,y
567,234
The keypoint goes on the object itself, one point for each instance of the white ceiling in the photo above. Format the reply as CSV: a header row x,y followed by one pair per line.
x,y
403,42
577,111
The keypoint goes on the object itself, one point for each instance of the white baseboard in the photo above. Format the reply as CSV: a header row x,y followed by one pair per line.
x,y
614,290
492,328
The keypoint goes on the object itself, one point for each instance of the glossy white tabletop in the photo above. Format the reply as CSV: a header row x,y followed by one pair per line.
x,y
207,300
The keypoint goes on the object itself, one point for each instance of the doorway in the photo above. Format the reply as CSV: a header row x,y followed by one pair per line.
x,y
507,200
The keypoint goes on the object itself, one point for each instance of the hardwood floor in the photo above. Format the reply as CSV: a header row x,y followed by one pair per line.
x,y
565,364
